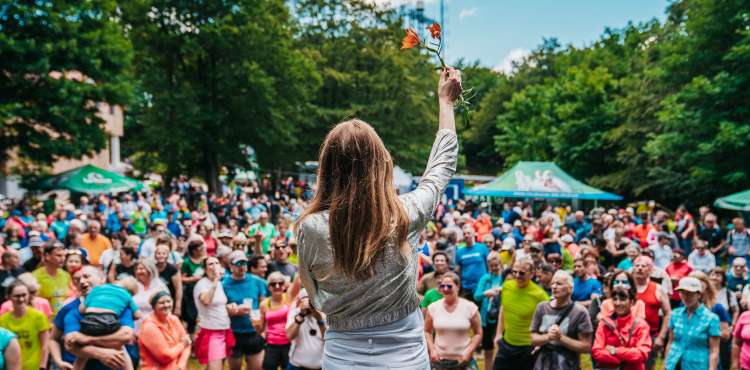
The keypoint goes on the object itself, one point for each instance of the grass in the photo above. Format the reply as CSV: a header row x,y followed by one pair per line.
x,y
585,363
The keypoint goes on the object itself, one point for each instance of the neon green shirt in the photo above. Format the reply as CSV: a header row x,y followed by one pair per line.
x,y
27,328
518,311
55,289
430,297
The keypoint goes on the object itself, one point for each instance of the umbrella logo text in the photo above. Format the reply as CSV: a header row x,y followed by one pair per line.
x,y
96,179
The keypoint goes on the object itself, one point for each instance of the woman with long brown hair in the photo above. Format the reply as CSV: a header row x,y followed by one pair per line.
x,y
358,242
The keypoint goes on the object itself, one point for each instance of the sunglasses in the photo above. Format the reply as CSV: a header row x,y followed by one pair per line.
x,y
277,284
73,251
554,260
621,282
240,263
445,286
519,273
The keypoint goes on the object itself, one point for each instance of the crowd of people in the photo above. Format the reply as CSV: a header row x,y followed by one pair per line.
x,y
152,279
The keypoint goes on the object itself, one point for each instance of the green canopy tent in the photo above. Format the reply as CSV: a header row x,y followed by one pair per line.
x,y
90,180
539,180
737,201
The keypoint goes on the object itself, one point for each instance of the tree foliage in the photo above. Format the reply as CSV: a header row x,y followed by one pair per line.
x,y
365,75
214,75
651,110
57,59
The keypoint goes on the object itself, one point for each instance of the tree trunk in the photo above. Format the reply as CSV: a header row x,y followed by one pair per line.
x,y
212,173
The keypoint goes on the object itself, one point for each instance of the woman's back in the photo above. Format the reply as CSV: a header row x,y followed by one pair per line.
x,y
390,293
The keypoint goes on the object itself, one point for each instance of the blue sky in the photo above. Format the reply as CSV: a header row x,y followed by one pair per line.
x,y
497,31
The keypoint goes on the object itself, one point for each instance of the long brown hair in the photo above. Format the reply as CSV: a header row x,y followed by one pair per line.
x,y
355,185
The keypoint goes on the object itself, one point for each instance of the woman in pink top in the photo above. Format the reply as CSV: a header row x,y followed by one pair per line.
x,y
37,302
451,320
273,313
741,344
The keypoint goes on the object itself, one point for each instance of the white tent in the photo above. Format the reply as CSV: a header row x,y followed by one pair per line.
x,y
401,180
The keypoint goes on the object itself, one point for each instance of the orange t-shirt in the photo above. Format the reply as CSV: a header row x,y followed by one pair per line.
x,y
95,247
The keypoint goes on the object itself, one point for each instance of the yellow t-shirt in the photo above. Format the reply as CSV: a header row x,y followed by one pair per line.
x,y
518,311
27,328
55,289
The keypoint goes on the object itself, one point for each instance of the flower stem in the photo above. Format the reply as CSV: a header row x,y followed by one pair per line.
x,y
437,53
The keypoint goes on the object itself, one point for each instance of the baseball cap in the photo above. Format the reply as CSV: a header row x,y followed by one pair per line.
x,y
508,244
36,241
567,238
690,284
237,256
223,251
679,251
224,234
536,245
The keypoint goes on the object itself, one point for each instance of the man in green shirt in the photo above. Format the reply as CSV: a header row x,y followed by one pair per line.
x,y
263,230
520,297
430,297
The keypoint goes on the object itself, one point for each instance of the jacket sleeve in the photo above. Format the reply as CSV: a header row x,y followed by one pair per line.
x,y
153,339
599,351
441,166
638,353
306,247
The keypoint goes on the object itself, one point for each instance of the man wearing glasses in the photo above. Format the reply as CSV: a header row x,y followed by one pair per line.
x,y
514,320
244,292
280,260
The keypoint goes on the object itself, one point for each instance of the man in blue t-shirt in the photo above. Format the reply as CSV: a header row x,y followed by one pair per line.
x,y
585,288
471,263
67,326
244,293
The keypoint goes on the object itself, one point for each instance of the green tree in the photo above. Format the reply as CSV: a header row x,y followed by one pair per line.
x,y
58,59
703,148
365,75
214,76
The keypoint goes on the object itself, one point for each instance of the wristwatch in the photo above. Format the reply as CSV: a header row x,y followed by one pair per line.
x,y
322,322
612,351
301,317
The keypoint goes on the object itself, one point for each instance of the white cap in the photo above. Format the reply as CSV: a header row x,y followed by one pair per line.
x,y
508,244
690,284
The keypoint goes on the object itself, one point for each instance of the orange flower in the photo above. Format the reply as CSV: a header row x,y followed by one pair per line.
x,y
410,40
434,30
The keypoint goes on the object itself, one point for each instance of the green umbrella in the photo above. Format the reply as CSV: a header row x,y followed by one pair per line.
x,y
737,201
91,180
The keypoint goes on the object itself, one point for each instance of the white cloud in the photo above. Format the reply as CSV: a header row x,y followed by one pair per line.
x,y
467,12
516,55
